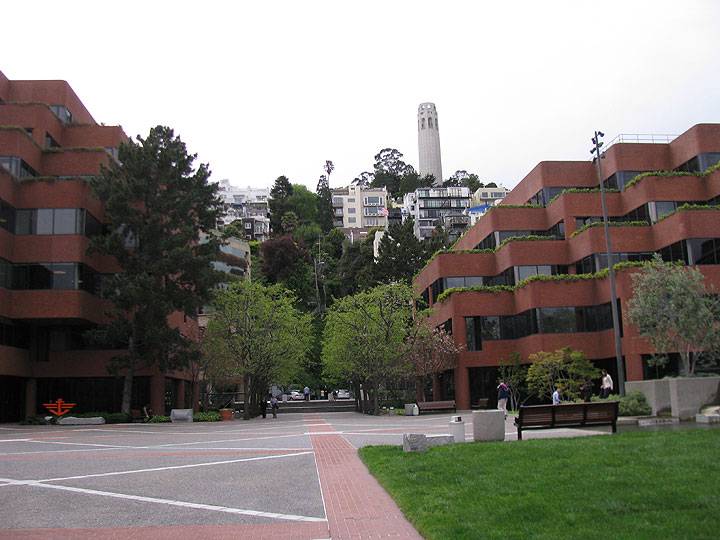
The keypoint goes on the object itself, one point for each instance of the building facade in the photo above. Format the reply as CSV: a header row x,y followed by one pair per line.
x,y
50,287
438,206
545,315
429,159
250,206
357,207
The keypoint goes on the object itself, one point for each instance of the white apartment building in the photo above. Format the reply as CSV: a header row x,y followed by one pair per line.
x,y
435,206
489,195
249,205
356,207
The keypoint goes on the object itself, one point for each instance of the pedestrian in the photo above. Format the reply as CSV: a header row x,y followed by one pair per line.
x,y
306,393
606,386
556,396
274,405
503,395
263,405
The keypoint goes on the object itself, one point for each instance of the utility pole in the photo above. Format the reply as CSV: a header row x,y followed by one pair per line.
x,y
597,144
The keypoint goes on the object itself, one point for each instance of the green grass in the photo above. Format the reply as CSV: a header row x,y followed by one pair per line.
x,y
633,485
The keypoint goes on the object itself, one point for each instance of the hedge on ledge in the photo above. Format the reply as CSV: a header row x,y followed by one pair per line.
x,y
602,274
639,223
669,174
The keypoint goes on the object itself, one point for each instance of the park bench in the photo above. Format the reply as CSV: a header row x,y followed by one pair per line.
x,y
431,406
597,413
479,404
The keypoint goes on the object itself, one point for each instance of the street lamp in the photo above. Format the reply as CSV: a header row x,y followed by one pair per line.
x,y
611,271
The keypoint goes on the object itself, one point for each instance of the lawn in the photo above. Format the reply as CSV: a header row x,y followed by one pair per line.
x,y
634,485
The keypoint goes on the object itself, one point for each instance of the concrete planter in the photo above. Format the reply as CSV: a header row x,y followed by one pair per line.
x,y
682,396
226,414
488,425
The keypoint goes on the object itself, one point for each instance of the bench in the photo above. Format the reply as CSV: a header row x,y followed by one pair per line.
x,y
597,413
479,404
430,406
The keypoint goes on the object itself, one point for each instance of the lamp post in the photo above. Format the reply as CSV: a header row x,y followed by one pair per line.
x,y
611,271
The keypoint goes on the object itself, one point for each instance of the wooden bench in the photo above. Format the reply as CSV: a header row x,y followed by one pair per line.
x,y
479,404
430,406
597,413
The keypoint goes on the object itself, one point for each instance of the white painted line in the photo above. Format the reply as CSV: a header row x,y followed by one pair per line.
x,y
227,440
14,440
169,502
173,467
323,433
56,451
89,444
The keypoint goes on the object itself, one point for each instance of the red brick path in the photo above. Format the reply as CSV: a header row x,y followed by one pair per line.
x,y
357,507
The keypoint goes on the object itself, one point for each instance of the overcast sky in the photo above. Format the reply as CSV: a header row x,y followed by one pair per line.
x,y
268,88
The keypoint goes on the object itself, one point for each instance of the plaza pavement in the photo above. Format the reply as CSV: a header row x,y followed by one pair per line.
x,y
296,477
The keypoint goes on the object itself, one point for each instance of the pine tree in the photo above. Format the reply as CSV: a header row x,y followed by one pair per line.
x,y
156,207
325,207
279,194
400,254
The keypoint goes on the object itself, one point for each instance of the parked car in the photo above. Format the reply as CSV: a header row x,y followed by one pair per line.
x,y
343,394
296,396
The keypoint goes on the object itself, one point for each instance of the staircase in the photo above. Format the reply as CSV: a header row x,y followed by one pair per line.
x,y
317,406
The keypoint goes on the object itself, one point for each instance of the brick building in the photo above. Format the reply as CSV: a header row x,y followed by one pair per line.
x,y
549,314
49,286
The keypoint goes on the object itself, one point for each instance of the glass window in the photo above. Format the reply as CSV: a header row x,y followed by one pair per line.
x,y
430,125
25,221
7,216
5,274
451,282
704,250
664,208
351,199
44,221
64,276
558,320
40,276
473,281
491,328
65,221
351,220
473,340
351,210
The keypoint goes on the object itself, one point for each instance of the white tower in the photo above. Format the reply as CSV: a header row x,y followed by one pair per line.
x,y
429,142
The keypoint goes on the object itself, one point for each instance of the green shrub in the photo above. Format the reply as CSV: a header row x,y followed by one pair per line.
x,y
159,419
632,404
639,223
110,418
34,421
211,416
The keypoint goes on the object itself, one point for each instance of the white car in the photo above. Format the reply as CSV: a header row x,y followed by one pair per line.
x,y
343,394
296,396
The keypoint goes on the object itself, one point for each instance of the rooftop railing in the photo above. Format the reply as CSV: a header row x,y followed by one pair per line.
x,y
647,138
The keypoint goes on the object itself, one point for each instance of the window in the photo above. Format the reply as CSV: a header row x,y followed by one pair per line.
x,y
337,201
351,220
351,199
556,320
373,201
619,179
351,210
422,123
17,167
473,339
50,142
62,112
430,123
704,250
488,242
7,216
25,222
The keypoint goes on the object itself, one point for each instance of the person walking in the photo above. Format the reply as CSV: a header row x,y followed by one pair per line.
x,y
263,405
274,405
306,393
606,386
556,396
503,395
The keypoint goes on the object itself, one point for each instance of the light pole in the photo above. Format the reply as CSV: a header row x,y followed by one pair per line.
x,y
611,271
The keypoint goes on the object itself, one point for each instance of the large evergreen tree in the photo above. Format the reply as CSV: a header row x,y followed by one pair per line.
x,y
156,206
400,255
282,189
325,210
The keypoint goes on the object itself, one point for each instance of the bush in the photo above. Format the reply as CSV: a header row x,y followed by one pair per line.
x,y
211,416
110,418
34,421
632,404
159,419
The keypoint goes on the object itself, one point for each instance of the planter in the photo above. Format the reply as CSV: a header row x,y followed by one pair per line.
x,y
683,396
226,414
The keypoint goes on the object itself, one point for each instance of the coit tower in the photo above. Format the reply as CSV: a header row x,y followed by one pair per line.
x,y
429,142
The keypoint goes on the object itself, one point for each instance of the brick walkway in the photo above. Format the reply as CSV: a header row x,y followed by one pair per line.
x,y
356,505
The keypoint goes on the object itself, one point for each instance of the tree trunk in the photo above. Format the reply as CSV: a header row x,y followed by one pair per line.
x,y
127,390
420,389
376,407
246,397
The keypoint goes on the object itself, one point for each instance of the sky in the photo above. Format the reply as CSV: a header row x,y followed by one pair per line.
x,y
263,89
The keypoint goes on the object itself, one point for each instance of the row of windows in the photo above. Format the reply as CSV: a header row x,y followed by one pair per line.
x,y
650,212
546,320
58,276
492,240
443,192
17,167
429,123
14,335
444,203
47,221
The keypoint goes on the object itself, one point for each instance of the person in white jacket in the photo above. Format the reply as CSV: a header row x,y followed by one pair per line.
x,y
606,386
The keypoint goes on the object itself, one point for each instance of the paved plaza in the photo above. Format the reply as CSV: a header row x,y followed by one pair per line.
x,y
297,477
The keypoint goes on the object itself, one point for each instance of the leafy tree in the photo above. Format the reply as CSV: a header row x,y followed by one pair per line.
x,y
325,211
429,351
364,179
256,333
491,185
674,310
400,254
304,203
286,261
282,189
565,367
463,178
364,338
515,376
289,222
356,267
156,206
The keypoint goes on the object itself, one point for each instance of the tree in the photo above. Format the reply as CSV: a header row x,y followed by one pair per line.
x,y
364,179
565,367
304,203
286,261
429,351
674,310
356,267
156,206
400,254
257,334
365,336
289,222
282,189
325,211
515,376
464,179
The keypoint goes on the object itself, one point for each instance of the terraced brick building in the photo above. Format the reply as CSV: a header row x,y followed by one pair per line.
x,y
546,227
50,288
